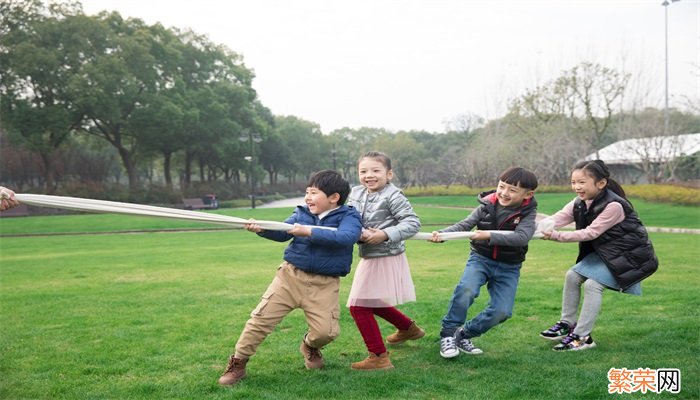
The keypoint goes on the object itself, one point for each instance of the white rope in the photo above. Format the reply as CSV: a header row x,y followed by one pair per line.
x,y
103,206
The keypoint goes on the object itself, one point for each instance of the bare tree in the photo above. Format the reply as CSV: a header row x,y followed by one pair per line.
x,y
591,94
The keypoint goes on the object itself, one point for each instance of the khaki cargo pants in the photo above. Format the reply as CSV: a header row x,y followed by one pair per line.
x,y
293,288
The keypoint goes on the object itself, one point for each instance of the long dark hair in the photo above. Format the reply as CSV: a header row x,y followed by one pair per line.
x,y
597,170
377,156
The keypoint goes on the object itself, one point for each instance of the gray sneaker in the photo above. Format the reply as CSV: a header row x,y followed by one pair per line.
x,y
465,345
448,347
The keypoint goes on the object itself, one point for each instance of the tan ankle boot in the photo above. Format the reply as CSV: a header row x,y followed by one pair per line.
x,y
412,333
374,361
235,371
312,356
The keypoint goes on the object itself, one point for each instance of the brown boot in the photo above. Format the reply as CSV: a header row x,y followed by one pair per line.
x,y
235,371
374,361
412,333
312,356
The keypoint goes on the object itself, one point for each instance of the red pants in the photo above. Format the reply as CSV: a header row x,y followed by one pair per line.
x,y
369,329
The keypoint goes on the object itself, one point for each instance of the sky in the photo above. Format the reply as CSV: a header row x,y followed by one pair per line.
x,y
419,64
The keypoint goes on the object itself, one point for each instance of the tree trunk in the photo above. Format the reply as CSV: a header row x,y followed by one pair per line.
x,y
48,173
188,169
166,170
128,162
201,170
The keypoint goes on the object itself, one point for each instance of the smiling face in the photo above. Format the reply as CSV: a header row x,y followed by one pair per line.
x,y
585,186
373,174
511,195
319,202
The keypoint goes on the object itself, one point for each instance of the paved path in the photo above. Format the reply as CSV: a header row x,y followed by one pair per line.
x,y
286,203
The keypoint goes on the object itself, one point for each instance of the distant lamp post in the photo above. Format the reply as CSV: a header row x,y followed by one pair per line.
x,y
666,117
333,153
348,166
252,138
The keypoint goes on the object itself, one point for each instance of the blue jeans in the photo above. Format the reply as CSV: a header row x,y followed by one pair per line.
x,y
501,280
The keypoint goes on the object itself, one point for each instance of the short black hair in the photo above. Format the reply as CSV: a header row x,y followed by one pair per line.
x,y
518,176
329,182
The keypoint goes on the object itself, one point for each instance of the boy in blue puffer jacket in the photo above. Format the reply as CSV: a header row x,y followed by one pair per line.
x,y
309,277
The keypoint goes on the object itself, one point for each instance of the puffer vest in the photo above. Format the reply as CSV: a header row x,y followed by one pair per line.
x,y
489,222
625,248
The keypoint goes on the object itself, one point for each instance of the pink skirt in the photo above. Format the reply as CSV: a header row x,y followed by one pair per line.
x,y
382,282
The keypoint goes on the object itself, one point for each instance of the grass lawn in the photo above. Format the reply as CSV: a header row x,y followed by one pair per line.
x,y
155,315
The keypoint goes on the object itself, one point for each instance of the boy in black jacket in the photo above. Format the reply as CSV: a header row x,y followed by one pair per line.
x,y
495,259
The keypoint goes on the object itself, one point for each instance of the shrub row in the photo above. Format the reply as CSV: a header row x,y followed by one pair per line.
x,y
673,194
688,196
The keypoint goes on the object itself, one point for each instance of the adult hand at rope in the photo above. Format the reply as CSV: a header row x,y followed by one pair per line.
x,y
7,199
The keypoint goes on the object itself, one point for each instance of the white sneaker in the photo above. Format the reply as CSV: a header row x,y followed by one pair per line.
x,y
448,347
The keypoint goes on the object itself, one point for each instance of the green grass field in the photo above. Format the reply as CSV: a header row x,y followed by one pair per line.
x,y
155,315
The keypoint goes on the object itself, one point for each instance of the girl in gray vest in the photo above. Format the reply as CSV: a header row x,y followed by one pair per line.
x,y
614,252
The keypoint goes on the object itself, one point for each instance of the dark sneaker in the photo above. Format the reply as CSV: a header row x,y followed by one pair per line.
x,y
465,345
558,331
312,356
574,342
235,371
448,347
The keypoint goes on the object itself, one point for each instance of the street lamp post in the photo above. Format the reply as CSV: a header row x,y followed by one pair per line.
x,y
252,138
333,153
348,165
666,117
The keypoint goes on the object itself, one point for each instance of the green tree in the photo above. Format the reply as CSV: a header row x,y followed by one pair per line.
x,y
40,49
128,71
218,86
303,140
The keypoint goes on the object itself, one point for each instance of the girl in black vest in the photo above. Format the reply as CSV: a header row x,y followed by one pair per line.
x,y
614,252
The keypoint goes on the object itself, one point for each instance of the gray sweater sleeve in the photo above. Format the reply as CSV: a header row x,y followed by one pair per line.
x,y
466,224
520,236
408,222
